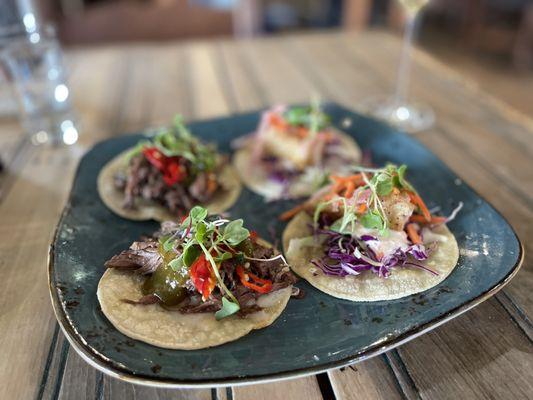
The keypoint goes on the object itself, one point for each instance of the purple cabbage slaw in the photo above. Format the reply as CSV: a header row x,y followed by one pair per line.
x,y
347,255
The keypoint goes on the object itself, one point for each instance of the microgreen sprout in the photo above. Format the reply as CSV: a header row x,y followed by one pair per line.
x,y
198,234
379,182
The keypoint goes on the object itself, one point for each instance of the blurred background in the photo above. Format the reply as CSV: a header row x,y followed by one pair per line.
x,y
488,41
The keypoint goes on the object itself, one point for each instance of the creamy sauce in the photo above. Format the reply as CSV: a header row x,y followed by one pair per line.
x,y
386,244
430,236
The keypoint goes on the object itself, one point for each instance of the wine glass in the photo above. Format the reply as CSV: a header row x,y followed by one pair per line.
x,y
396,109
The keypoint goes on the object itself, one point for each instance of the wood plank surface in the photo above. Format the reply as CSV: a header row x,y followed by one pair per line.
x,y
486,353
372,379
303,388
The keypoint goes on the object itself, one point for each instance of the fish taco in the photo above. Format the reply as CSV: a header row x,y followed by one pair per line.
x,y
292,151
195,284
369,236
164,177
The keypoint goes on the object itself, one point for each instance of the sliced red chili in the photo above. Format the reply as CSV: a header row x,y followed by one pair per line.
x,y
253,282
155,157
173,171
202,276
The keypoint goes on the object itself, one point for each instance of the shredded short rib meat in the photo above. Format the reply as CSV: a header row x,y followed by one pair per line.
x,y
144,258
145,181
141,257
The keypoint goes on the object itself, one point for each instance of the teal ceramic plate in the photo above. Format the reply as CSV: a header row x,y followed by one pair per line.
x,y
315,333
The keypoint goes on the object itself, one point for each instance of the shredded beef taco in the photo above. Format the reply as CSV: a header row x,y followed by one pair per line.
x,y
369,236
163,178
195,284
292,151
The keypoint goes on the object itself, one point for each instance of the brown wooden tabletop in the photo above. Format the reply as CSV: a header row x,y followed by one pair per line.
x,y
485,353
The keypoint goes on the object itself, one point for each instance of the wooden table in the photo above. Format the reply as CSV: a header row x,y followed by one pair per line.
x,y
485,353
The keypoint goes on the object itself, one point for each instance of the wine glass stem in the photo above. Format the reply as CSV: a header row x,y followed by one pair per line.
x,y
404,69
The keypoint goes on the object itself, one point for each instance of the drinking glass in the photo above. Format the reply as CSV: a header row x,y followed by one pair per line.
x,y
33,62
396,109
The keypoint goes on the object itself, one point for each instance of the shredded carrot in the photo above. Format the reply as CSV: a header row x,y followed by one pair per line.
x,y
413,234
417,201
341,186
278,122
292,212
356,179
350,189
344,186
361,209
435,220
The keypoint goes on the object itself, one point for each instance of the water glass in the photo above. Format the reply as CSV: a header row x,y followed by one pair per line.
x,y
34,64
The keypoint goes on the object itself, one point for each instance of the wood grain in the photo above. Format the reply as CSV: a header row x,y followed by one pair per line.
x,y
454,362
371,379
303,388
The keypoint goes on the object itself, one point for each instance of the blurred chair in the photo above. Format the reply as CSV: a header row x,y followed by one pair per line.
x,y
356,14
82,21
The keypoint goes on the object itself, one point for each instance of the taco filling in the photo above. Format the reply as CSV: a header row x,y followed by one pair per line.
x,y
372,230
205,265
173,171
291,151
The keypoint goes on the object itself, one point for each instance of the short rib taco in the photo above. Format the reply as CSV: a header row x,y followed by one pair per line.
x,y
164,177
369,236
292,151
195,284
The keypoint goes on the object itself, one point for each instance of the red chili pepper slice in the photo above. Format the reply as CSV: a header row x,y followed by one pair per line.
x,y
253,236
202,276
155,157
173,171
253,281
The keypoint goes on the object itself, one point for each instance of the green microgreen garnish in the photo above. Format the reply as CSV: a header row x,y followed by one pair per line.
x,y
311,117
380,182
198,234
177,140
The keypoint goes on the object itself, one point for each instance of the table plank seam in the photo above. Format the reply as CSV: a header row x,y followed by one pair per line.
x,y
61,370
404,380
48,363
229,393
99,387
516,313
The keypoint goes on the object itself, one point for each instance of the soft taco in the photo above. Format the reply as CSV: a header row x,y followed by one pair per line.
x,y
369,236
292,151
164,177
195,284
